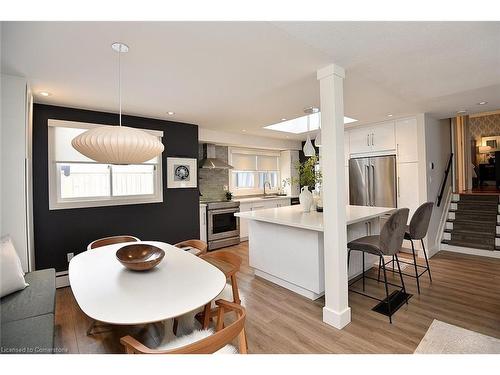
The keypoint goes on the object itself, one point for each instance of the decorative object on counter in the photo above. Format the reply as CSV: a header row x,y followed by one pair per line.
x,y
111,144
181,173
318,200
229,195
140,257
308,176
308,146
306,199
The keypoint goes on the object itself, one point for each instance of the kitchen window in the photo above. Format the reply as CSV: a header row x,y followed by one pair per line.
x,y
76,181
253,169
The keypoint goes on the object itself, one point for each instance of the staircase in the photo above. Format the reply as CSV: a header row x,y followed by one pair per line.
x,y
473,222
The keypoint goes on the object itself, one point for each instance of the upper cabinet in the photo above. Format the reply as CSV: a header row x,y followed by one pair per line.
x,y
372,139
406,140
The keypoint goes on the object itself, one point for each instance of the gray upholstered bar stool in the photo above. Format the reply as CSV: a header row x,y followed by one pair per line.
x,y
417,230
388,242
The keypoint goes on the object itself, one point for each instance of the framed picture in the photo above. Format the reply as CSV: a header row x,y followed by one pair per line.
x,y
182,173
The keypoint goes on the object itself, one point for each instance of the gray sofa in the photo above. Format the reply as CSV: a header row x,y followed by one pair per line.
x,y
27,316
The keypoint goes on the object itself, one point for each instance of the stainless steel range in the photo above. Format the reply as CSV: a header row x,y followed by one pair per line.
x,y
223,228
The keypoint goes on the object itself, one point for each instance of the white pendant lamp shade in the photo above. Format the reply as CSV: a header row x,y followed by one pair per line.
x,y
118,145
317,140
309,148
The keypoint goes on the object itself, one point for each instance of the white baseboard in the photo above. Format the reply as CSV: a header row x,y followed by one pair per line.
x,y
471,251
337,319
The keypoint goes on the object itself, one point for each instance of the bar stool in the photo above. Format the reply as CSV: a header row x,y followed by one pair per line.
x,y
417,230
388,242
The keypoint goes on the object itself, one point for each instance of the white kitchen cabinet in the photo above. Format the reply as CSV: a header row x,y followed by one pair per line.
x,y
360,140
243,222
383,137
203,222
375,138
406,140
407,186
288,160
260,204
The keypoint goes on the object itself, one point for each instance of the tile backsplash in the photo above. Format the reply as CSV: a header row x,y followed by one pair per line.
x,y
212,181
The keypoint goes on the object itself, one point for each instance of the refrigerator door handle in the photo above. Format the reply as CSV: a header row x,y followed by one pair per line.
x,y
372,187
367,173
368,139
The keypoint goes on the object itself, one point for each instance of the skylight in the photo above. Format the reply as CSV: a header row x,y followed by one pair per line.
x,y
299,125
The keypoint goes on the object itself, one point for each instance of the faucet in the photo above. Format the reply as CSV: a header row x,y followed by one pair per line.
x,y
266,183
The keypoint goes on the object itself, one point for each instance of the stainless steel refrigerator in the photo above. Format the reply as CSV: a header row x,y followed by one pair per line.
x,y
372,181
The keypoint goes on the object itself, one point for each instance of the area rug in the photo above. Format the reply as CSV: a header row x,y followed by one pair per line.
x,y
444,338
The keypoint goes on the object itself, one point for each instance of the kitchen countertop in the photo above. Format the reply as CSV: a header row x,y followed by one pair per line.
x,y
294,217
260,199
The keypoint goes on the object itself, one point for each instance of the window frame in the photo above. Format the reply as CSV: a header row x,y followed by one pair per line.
x,y
256,190
54,178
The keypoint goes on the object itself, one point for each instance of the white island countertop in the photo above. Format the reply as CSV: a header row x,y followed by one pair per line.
x,y
294,217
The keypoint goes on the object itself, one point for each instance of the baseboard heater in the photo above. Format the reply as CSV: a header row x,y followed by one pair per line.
x,y
62,279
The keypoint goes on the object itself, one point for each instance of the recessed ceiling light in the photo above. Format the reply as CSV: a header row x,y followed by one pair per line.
x,y
244,130
461,111
170,113
283,119
45,93
389,115
482,103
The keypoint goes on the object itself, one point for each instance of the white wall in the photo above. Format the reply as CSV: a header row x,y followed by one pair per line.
x,y
246,140
437,151
13,159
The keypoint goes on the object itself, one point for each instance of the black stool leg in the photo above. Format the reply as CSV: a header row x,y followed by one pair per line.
x,y
402,281
426,260
393,265
379,267
415,264
387,293
363,271
348,258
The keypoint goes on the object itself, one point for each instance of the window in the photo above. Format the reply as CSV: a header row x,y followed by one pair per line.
x,y
253,169
76,181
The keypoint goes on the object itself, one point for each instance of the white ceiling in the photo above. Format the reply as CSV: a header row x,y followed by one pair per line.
x,y
239,76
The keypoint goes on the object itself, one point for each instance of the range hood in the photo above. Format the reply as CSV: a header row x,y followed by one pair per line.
x,y
210,161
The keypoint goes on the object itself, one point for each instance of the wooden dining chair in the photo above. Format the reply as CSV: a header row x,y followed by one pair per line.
x,y
111,241
202,342
229,263
199,245
100,243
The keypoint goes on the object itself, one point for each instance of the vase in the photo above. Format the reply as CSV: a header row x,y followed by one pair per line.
x,y
305,199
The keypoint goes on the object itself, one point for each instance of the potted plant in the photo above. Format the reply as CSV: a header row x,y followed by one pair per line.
x,y
308,177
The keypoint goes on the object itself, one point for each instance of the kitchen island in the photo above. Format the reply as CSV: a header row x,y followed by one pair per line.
x,y
286,245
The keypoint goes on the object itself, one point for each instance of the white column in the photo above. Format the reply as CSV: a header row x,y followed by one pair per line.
x,y
336,311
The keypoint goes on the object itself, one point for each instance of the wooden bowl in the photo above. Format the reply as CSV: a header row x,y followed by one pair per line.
x,y
140,257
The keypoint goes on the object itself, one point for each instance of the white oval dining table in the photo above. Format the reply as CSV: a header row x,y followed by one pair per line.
x,y
108,292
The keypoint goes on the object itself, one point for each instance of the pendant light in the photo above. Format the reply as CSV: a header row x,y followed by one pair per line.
x,y
110,144
308,146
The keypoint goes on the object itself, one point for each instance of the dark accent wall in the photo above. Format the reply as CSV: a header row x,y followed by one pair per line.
x,y
59,232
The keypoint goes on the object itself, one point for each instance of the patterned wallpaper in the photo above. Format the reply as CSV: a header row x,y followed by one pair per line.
x,y
484,126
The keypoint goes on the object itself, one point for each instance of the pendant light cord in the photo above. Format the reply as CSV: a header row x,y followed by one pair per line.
x,y
120,82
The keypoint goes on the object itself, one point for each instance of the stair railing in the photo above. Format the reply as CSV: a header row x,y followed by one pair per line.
x,y
445,178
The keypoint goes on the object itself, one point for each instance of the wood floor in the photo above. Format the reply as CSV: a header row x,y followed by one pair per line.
x,y
465,292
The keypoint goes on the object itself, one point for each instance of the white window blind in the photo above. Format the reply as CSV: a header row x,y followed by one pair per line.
x,y
244,162
267,163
